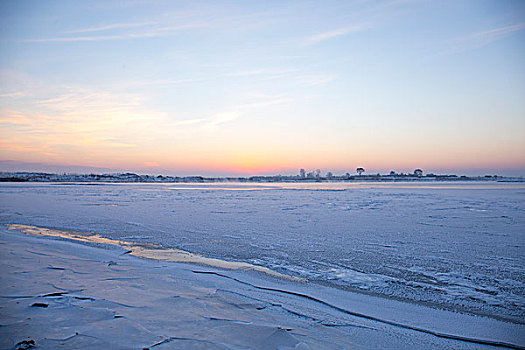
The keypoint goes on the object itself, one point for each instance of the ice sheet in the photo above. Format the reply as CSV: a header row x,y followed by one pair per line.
x,y
451,246
62,294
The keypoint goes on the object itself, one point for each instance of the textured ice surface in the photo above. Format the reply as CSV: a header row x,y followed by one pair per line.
x,y
102,298
450,245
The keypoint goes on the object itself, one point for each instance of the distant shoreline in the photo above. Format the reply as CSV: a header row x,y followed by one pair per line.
x,y
135,178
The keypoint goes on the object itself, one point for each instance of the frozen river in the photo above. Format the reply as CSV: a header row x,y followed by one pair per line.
x,y
458,246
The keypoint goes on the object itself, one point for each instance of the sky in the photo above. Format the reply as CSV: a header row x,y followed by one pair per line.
x,y
263,87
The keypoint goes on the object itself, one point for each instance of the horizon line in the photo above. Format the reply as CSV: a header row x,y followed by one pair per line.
x,y
307,176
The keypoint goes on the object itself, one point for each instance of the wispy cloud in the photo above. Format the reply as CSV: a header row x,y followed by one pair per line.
x,y
261,104
111,27
236,112
373,15
76,120
230,114
315,39
221,118
24,148
189,122
267,73
155,31
165,26
480,39
263,73
12,94
316,79
488,36
85,123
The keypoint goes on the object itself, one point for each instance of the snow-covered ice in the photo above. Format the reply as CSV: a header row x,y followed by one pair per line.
x,y
455,246
58,294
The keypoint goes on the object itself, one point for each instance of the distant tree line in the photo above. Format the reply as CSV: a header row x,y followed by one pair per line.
x,y
329,175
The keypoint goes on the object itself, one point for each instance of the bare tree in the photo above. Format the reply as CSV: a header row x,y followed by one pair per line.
x,y
360,170
302,173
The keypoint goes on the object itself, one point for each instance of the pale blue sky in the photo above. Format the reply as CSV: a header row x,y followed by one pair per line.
x,y
243,87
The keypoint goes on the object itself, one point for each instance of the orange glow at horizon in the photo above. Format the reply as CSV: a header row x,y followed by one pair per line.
x,y
130,137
